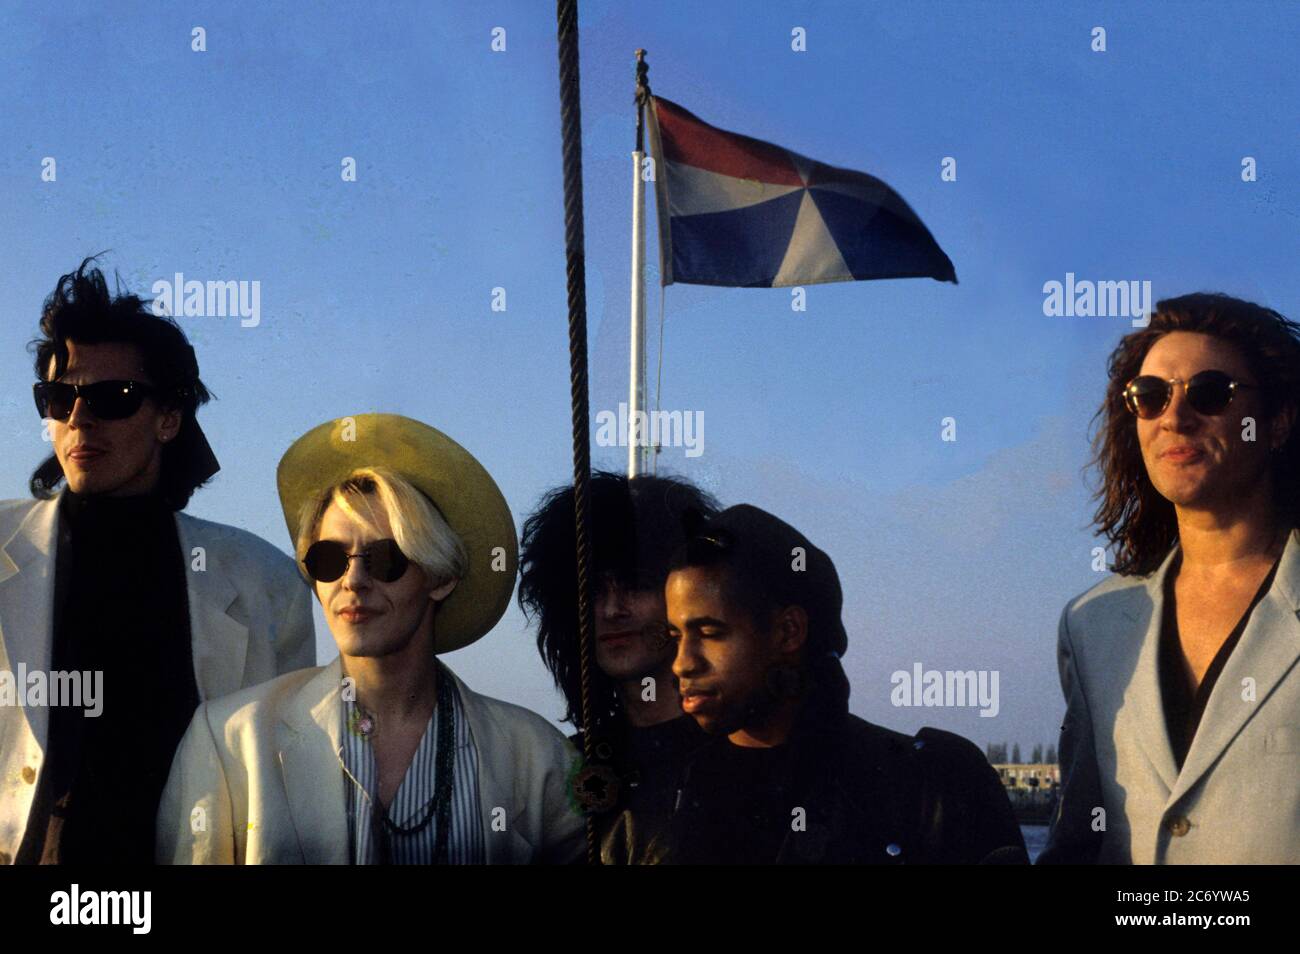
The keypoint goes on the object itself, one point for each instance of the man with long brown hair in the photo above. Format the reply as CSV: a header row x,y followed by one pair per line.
x,y
1181,740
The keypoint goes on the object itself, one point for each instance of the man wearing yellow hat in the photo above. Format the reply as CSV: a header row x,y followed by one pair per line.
x,y
383,756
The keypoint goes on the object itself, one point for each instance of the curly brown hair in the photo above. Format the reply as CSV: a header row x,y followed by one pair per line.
x,y
1140,523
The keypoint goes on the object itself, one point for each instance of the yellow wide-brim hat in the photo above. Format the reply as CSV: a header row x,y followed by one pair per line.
x,y
459,486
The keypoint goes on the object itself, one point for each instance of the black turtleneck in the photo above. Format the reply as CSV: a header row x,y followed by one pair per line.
x,y
121,608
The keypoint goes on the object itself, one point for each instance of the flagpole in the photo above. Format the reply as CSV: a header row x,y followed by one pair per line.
x,y
637,454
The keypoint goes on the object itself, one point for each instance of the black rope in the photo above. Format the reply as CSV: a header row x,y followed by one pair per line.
x,y
571,130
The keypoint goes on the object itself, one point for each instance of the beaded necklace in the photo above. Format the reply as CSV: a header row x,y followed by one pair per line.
x,y
444,767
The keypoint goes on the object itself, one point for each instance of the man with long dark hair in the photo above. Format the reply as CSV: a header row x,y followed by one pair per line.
x,y
1179,671
102,578
638,725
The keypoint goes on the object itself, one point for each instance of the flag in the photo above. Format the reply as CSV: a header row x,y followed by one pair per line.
x,y
742,212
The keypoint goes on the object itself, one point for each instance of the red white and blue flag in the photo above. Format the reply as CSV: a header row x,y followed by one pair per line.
x,y
742,212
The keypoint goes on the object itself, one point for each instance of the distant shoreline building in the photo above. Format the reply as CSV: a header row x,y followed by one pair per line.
x,y
1031,788
1029,776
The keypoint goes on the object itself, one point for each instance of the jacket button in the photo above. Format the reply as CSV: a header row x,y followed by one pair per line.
x,y
918,744
29,774
893,850
1179,826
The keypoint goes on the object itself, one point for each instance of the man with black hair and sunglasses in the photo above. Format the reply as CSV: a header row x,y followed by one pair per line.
x,y
1180,675
102,573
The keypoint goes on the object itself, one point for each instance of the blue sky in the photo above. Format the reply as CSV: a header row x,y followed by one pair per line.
x,y
376,294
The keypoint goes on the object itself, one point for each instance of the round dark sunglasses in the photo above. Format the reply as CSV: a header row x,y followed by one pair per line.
x,y
327,560
1209,393
106,400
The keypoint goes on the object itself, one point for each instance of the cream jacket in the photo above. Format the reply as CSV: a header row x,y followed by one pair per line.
x,y
250,619
258,779
1123,798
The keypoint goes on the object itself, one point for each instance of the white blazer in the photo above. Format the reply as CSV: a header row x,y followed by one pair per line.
x,y
1237,798
250,619
258,779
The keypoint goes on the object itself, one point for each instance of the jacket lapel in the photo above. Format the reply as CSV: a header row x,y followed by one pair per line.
x,y
219,641
1268,649
496,781
27,576
310,742
27,600
1143,693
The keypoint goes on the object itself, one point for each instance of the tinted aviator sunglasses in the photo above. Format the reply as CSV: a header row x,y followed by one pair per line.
x,y
106,400
327,560
1209,393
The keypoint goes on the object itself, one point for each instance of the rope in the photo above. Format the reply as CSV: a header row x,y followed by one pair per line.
x,y
571,130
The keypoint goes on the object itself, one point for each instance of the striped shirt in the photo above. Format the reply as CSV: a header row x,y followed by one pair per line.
x,y
411,803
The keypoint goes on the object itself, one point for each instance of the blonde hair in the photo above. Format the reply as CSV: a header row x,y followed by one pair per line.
x,y
419,529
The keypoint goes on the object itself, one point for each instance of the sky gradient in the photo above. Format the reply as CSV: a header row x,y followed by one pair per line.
x,y
376,294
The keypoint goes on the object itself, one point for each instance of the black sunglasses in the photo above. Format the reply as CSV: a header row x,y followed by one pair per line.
x,y
1209,393
327,560
106,400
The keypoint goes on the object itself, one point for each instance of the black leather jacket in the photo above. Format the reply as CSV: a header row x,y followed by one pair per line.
x,y
871,796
